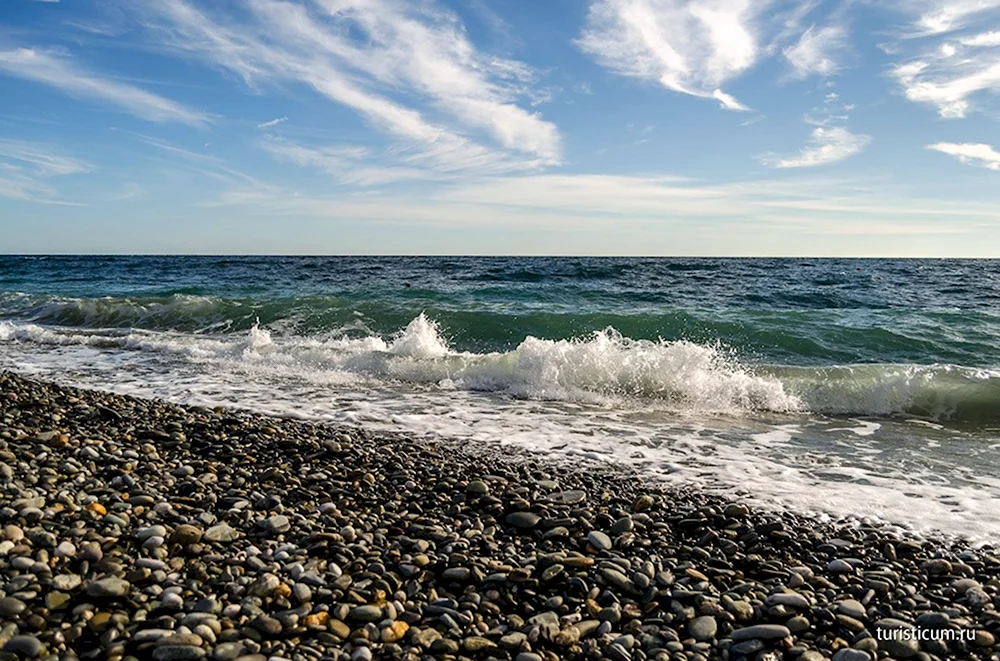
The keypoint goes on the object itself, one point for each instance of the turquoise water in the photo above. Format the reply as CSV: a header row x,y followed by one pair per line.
x,y
854,387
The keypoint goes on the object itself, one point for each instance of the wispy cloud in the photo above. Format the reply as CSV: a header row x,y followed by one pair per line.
x,y
817,50
346,164
570,202
826,145
687,46
26,168
970,153
947,60
271,123
64,74
41,159
935,17
391,62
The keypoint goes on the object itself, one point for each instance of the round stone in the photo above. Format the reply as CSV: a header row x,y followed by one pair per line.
x,y
11,607
27,646
477,488
186,535
523,520
221,533
365,614
599,540
567,497
703,628
108,588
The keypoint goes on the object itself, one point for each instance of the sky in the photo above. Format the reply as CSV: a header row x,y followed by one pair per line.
x,y
625,127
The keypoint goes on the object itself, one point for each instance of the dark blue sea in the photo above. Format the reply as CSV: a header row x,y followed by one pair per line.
x,y
861,388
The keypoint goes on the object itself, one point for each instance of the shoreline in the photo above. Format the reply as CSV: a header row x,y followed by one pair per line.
x,y
136,529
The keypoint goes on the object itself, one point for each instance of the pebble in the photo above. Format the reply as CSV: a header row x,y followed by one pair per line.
x,y
161,532
26,646
11,607
221,533
761,632
599,540
703,628
276,524
108,588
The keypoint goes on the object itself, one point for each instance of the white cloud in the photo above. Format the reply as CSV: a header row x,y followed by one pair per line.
x,y
946,63
935,17
667,212
826,145
271,123
25,169
393,63
40,159
816,51
983,39
688,46
948,85
346,164
64,75
970,153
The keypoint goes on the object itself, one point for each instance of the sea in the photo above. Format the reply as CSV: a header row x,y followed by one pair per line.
x,y
860,389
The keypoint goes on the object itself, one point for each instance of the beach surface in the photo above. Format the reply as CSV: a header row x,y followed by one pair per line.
x,y
138,529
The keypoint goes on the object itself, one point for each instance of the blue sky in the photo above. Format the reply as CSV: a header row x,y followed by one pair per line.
x,y
664,127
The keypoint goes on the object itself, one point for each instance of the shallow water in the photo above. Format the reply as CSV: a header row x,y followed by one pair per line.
x,y
849,387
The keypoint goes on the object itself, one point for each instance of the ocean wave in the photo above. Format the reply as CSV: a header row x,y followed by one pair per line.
x,y
604,367
792,337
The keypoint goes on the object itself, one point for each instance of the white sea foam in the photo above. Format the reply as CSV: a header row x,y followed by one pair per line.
x,y
676,411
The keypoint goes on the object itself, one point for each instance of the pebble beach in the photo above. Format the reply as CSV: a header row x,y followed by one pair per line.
x,y
135,529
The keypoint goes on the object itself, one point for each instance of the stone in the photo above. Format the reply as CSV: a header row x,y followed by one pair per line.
x,y
186,535
366,614
703,628
761,632
523,520
896,637
789,599
65,550
265,585
456,574
477,488
108,588
56,600
26,646
839,566
178,653
276,524
599,540
395,632
221,533
66,582
571,497
852,608
937,566
11,607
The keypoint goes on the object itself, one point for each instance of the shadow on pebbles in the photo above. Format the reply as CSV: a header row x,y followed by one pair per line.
x,y
134,529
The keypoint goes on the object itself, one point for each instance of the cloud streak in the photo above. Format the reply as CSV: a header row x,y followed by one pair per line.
x,y
272,123
978,154
816,51
948,65
826,145
687,46
65,75
25,169
393,63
